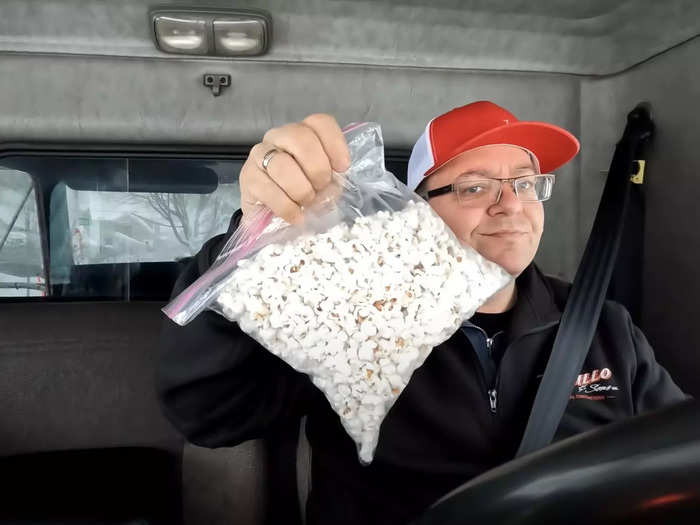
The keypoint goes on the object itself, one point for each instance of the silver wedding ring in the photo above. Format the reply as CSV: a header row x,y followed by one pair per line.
x,y
268,157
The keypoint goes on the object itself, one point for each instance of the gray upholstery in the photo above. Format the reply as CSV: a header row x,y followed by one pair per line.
x,y
225,485
592,37
79,376
148,101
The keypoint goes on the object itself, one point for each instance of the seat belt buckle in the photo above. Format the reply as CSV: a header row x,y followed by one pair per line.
x,y
638,175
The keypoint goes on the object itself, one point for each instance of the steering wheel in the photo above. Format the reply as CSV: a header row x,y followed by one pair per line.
x,y
642,470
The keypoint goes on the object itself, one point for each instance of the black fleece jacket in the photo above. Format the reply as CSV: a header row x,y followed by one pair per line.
x,y
219,387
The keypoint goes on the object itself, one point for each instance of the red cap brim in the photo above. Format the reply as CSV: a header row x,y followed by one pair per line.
x,y
553,146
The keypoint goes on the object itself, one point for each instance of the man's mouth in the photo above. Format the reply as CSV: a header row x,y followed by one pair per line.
x,y
504,233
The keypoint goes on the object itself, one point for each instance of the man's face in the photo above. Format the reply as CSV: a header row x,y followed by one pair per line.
x,y
507,232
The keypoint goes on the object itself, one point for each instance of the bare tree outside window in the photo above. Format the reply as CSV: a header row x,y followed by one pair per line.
x,y
189,217
119,227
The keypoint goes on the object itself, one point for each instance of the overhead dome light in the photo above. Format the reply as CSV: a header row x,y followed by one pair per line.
x,y
212,32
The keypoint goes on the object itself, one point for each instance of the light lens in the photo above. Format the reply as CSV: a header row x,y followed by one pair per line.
x,y
182,34
239,37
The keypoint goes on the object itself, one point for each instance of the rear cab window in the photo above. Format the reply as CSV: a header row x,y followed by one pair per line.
x,y
112,228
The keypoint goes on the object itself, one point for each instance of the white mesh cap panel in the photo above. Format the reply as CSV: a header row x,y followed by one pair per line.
x,y
421,159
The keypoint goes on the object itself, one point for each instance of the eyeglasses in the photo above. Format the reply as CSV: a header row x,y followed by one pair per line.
x,y
530,188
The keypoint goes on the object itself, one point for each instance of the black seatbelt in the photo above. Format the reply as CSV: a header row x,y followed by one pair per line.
x,y
626,282
582,311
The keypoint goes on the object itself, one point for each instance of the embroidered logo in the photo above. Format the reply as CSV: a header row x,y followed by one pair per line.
x,y
595,386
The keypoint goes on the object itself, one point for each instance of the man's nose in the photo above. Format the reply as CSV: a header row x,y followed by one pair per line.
x,y
508,201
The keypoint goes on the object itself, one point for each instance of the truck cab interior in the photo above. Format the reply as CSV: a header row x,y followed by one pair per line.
x,y
122,135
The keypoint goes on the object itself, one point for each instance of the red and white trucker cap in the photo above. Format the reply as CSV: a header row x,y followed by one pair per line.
x,y
484,123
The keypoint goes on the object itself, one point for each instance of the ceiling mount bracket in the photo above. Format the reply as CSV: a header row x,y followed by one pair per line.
x,y
216,82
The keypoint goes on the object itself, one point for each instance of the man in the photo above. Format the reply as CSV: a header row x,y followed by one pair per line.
x,y
464,411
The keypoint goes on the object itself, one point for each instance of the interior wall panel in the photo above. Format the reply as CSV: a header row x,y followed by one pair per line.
x,y
671,285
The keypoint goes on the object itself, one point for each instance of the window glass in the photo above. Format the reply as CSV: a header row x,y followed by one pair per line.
x,y
115,228
135,227
119,228
398,165
21,262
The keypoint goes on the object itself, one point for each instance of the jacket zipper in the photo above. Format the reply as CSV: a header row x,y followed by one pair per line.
x,y
493,392
493,400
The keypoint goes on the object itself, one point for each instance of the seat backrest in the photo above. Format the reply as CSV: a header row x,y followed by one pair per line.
x,y
79,419
80,376
225,485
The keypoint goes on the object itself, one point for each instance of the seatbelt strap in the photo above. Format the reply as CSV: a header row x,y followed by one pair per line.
x,y
626,282
582,311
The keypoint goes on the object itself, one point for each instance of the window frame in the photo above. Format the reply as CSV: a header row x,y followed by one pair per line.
x,y
38,202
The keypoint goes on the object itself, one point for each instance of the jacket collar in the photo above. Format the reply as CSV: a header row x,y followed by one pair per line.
x,y
535,306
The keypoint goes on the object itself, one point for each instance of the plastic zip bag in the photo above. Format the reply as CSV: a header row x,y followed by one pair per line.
x,y
357,295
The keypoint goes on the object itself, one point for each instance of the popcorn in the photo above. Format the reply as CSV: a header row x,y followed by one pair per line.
x,y
359,307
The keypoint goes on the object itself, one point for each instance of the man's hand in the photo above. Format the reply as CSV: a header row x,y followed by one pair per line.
x,y
307,152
